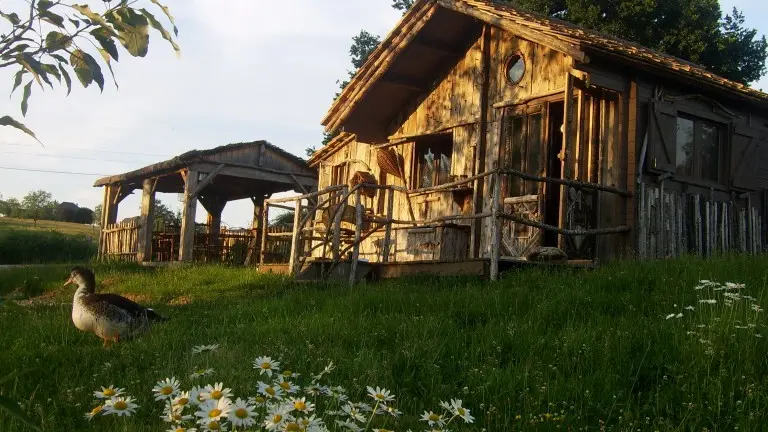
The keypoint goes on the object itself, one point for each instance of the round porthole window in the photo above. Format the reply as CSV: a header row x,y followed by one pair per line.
x,y
515,68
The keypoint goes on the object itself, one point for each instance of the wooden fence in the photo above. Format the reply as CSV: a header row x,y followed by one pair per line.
x,y
120,240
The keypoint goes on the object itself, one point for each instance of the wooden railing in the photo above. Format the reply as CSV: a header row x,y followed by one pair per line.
x,y
120,240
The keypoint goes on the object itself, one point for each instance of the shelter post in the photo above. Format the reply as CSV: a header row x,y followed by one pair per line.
x,y
147,222
187,241
108,215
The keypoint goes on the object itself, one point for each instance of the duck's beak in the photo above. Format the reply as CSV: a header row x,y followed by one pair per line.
x,y
69,281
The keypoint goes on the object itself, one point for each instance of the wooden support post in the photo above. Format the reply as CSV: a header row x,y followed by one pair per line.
x,y
565,160
358,234
147,222
495,228
478,197
295,240
388,231
187,241
341,205
257,228
108,216
264,232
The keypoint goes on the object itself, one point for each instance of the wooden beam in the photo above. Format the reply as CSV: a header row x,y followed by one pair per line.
x,y
258,231
122,192
187,241
439,46
208,179
478,160
295,240
404,82
254,173
147,222
108,216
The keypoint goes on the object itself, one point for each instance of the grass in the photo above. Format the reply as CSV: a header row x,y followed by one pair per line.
x,y
21,242
538,350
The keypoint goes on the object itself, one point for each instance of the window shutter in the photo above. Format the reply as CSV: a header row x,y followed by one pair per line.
x,y
749,158
662,136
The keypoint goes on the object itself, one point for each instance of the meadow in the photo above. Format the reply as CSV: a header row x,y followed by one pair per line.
x,y
627,347
23,242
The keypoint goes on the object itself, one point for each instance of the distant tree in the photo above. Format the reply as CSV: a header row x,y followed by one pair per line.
x,y
47,39
11,207
36,203
96,215
165,216
283,220
694,30
83,216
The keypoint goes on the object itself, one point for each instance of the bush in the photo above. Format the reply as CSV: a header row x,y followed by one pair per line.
x,y
38,247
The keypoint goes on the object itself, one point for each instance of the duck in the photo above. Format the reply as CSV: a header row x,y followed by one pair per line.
x,y
109,316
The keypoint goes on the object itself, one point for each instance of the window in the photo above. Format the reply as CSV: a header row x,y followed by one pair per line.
x,y
698,148
433,161
522,148
515,69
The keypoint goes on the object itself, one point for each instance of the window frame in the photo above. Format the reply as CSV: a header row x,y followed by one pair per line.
x,y
508,63
722,136
428,143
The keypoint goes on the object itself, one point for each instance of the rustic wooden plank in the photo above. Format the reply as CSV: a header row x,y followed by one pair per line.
x,y
295,239
388,230
187,241
495,233
358,233
146,226
642,234
564,172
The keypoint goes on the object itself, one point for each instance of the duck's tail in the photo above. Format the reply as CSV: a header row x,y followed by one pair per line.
x,y
154,316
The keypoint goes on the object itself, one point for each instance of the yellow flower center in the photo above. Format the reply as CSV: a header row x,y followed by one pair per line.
x,y
287,373
461,411
292,427
379,396
300,405
270,391
109,392
241,413
216,394
260,399
182,401
266,365
97,409
120,405
434,417
177,417
181,430
214,413
214,425
166,390
305,422
285,385
277,418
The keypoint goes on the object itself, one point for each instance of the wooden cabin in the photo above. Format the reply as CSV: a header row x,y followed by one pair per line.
x,y
479,131
213,177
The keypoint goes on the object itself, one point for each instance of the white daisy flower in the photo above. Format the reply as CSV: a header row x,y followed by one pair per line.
x,y
432,419
204,348
286,385
353,412
287,374
266,365
276,417
270,391
446,406
302,405
756,308
201,373
708,301
394,412
213,426
120,406
94,412
216,392
460,411
330,367
670,316
175,416
310,423
108,392
166,389
213,410
380,394
348,425
242,414
181,429
734,286
690,308
182,400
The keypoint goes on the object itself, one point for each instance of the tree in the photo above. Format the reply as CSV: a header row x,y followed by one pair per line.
x,y
11,207
164,216
35,203
694,30
97,215
47,41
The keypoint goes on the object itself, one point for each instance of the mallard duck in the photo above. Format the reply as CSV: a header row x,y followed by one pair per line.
x,y
109,316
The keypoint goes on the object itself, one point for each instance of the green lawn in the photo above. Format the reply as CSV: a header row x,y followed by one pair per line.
x,y
22,242
539,350
7,223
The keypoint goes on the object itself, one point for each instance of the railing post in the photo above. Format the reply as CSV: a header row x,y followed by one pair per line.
x,y
340,207
495,231
295,239
265,232
388,231
358,232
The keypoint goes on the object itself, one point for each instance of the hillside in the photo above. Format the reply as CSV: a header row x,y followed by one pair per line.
x,y
627,347
7,223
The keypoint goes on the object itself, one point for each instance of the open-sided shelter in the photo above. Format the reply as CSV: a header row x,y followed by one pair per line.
x,y
254,170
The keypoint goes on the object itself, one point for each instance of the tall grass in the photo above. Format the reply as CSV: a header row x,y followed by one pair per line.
x,y
541,349
36,247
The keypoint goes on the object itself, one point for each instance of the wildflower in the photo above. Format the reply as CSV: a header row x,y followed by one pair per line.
x,y
348,425
433,419
756,308
166,389
461,411
108,392
213,410
265,365
94,412
670,316
310,423
201,373
330,367
394,412
120,406
204,348
270,391
708,301
287,386
175,414
732,286
196,395
380,394
182,399
302,405
678,316
351,411
690,308
181,429
290,374
276,416
213,426
242,414
216,392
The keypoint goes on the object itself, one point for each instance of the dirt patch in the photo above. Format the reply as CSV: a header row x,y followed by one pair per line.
x,y
180,301
138,298
49,298
108,282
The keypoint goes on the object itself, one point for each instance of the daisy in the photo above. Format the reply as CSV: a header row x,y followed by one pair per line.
x,y
242,414
120,406
394,412
353,412
94,412
380,394
270,391
290,374
432,419
181,429
196,395
166,389
302,405
213,410
203,348
201,373
461,411
265,365
182,400
310,423
213,426
287,386
348,425
276,416
108,392
216,392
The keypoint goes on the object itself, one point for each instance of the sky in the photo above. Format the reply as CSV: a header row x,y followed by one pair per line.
x,y
249,70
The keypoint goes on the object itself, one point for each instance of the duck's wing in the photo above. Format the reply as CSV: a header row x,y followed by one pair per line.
x,y
115,300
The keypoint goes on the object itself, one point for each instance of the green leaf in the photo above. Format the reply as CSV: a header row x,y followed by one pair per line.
x,y
106,42
17,80
96,18
75,23
159,27
55,41
33,66
52,18
59,58
15,410
168,14
44,5
9,121
107,60
87,69
132,29
67,79
25,99
12,18
51,69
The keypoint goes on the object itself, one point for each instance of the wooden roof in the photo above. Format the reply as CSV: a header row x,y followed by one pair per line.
x,y
431,34
336,143
244,170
